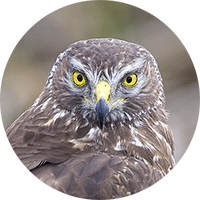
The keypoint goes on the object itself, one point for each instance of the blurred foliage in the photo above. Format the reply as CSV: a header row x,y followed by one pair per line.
x,y
34,55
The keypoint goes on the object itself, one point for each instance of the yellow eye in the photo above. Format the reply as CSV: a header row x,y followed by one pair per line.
x,y
78,78
130,80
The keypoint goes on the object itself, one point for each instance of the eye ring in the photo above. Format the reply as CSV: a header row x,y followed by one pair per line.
x,y
78,79
130,80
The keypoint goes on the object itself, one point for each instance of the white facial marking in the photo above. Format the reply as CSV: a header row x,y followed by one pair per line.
x,y
91,74
118,146
129,68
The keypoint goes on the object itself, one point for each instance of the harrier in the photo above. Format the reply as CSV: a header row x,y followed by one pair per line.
x,y
99,128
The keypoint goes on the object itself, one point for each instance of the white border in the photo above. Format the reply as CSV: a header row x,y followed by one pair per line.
x,y
17,17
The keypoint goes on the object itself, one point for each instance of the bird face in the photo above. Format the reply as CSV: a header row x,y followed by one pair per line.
x,y
102,93
107,82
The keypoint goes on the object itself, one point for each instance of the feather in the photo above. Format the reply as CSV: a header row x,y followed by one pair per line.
x,y
58,138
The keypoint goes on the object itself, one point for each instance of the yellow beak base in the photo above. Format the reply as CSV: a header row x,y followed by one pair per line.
x,y
102,97
103,90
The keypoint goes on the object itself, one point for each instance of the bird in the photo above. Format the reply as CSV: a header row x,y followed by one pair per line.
x,y
99,128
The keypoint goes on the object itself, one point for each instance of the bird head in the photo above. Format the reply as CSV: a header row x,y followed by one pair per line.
x,y
106,81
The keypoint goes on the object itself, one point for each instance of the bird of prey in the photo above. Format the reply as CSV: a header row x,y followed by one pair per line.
x,y
99,128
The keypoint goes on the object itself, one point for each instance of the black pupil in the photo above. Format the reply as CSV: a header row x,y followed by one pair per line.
x,y
128,79
79,78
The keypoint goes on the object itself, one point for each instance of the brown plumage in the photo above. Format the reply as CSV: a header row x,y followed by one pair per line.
x,y
98,143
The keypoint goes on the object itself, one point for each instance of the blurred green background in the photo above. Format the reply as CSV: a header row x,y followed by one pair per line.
x,y
34,55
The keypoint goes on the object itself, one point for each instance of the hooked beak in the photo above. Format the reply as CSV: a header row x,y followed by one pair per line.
x,y
101,111
102,98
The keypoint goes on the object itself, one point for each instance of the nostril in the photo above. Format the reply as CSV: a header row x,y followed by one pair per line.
x,y
95,98
108,98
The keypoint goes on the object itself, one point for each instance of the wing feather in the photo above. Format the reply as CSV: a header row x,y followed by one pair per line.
x,y
113,178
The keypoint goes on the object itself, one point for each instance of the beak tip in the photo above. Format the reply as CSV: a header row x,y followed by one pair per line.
x,y
101,111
